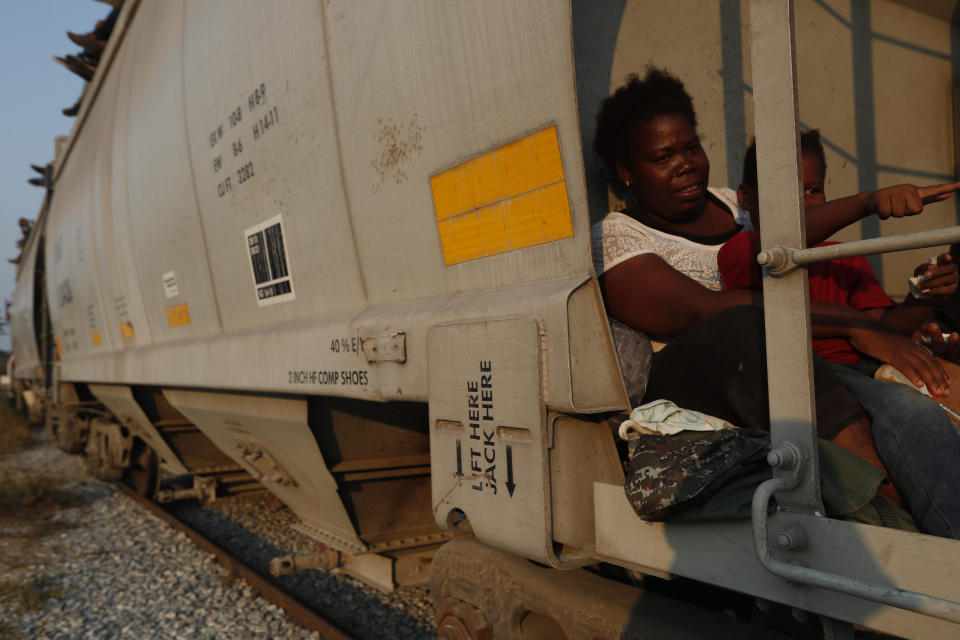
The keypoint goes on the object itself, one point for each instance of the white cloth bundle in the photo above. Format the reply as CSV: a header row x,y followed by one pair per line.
x,y
666,418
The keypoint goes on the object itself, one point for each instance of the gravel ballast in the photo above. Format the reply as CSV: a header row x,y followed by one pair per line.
x,y
101,566
256,528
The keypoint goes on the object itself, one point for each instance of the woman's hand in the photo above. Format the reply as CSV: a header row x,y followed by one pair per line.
x,y
905,199
939,280
946,346
912,360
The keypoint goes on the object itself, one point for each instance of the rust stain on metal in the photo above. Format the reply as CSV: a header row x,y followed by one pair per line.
x,y
401,142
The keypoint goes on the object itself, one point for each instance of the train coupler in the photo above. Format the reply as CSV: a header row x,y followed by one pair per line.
x,y
285,565
204,490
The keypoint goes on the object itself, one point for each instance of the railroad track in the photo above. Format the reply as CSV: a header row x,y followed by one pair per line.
x,y
269,590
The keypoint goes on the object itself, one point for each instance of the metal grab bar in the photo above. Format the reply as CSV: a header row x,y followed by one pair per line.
x,y
892,596
782,260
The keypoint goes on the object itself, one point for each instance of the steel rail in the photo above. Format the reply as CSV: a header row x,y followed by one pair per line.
x,y
272,592
782,260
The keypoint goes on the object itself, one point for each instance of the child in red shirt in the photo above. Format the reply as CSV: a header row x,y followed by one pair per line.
x,y
846,281
908,430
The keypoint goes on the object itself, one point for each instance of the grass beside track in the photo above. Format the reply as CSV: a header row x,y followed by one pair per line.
x,y
15,433
27,502
20,597
31,595
27,495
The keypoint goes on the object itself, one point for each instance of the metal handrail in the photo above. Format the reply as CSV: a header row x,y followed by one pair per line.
x,y
892,596
782,260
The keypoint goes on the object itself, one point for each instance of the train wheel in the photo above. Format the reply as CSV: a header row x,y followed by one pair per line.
x,y
108,450
458,620
143,475
72,431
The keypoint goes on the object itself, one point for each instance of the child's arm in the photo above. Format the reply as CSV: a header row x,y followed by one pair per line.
x,y
902,200
669,302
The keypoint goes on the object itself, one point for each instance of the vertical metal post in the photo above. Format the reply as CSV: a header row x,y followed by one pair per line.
x,y
786,300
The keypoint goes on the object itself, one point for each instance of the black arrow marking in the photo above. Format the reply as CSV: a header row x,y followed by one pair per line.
x,y
510,484
459,459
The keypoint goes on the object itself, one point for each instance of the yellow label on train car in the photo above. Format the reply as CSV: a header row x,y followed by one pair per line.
x,y
510,198
59,345
126,330
97,339
178,315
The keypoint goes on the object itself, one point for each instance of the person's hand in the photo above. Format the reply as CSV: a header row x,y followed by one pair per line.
x,y
946,346
912,360
940,280
906,199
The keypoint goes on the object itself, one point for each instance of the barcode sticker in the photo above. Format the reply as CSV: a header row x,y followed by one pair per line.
x,y
272,281
170,288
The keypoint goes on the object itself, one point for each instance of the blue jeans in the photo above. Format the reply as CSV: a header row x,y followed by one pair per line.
x,y
916,442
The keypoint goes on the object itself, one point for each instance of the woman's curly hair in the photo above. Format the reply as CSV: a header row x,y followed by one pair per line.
x,y
637,101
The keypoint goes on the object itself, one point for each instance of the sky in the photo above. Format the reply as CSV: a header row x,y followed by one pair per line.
x,y
34,90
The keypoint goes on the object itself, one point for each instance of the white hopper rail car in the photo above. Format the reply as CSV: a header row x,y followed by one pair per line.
x,y
342,249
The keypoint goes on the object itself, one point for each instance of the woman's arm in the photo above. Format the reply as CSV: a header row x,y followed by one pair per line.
x,y
649,295
905,318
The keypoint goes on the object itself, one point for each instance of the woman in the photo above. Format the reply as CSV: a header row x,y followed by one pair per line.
x,y
657,266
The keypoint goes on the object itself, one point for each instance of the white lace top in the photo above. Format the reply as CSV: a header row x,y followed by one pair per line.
x,y
618,237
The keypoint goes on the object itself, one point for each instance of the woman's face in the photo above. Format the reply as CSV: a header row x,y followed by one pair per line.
x,y
668,170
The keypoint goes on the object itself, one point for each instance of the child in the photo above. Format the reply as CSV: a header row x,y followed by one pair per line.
x,y
912,435
846,281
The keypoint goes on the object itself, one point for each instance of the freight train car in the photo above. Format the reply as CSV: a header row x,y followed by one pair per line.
x,y
341,249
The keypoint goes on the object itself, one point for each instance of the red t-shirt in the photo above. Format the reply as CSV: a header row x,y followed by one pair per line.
x,y
846,281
